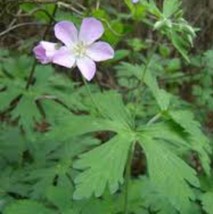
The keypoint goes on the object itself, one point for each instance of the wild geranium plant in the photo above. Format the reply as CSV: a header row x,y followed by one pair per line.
x,y
80,49
125,143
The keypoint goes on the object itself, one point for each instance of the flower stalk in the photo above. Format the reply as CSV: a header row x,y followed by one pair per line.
x,y
30,78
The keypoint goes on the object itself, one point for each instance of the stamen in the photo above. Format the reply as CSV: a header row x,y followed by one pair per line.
x,y
80,50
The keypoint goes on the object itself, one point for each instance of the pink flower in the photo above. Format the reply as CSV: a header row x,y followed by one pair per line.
x,y
45,51
80,48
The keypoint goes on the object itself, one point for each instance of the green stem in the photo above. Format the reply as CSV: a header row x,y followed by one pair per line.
x,y
127,179
141,80
91,97
154,119
141,83
30,78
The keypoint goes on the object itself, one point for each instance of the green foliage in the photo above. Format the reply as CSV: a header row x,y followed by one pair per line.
x,y
161,164
112,155
203,87
126,142
42,12
113,28
207,202
137,11
169,21
25,207
12,145
197,138
154,198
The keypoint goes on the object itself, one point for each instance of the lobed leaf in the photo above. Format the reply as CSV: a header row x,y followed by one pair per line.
x,y
199,141
169,174
103,166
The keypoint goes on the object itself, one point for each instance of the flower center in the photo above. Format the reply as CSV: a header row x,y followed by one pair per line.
x,y
80,49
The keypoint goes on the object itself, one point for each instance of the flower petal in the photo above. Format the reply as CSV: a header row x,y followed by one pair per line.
x,y
45,51
100,51
91,30
64,57
66,32
87,67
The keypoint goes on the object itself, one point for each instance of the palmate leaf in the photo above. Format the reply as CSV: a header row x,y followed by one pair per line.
x,y
101,173
169,174
103,166
13,80
199,142
115,119
27,110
